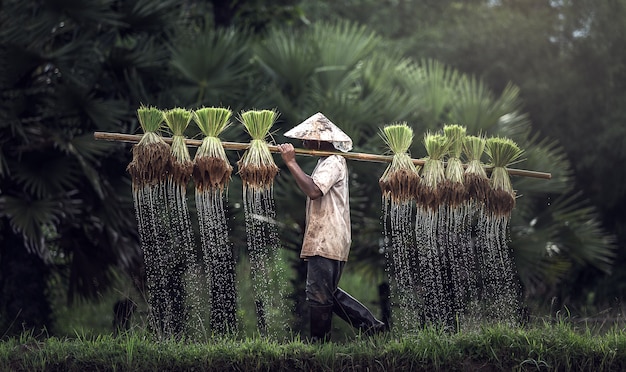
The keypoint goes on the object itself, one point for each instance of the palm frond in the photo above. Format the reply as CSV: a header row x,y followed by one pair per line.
x,y
477,108
287,56
436,84
549,241
581,234
42,175
213,62
30,217
548,155
339,47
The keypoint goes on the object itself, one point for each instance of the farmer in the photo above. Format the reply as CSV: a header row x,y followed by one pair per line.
x,y
327,235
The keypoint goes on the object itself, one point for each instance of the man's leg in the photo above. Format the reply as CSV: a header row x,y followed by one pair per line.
x,y
322,279
355,313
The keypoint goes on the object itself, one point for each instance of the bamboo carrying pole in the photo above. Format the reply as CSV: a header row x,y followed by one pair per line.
x,y
135,138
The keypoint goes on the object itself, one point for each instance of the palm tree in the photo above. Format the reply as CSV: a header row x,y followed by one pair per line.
x,y
69,69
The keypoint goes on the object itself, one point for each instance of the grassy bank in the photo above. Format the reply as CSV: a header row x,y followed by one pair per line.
x,y
544,347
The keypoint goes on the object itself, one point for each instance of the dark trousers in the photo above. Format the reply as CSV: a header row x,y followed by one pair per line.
x,y
322,280
323,292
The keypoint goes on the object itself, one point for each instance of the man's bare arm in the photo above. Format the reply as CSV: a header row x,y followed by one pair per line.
x,y
304,181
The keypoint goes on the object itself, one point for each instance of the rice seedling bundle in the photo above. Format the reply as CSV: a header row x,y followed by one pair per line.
x,y
257,170
476,180
433,172
501,152
400,184
151,159
177,120
257,167
150,169
182,267
401,181
454,230
211,167
453,188
500,287
211,174
431,274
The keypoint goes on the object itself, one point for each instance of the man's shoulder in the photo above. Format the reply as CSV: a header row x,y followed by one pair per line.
x,y
336,159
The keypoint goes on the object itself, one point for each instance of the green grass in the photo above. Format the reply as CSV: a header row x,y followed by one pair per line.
x,y
542,347
559,345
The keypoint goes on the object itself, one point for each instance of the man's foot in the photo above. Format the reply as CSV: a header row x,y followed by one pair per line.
x,y
376,329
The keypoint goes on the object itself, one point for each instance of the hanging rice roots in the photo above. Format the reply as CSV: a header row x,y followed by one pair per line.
x,y
211,168
211,172
257,168
401,181
151,155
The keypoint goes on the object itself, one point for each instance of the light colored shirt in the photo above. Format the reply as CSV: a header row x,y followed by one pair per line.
x,y
327,232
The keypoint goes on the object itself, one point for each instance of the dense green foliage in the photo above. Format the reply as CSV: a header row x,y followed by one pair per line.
x,y
511,68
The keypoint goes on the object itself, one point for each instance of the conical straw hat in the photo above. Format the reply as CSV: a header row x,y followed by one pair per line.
x,y
319,128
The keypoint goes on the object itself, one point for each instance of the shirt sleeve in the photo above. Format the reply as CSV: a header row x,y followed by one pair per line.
x,y
328,172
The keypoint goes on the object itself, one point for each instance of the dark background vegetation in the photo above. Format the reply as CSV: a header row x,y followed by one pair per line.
x,y
69,68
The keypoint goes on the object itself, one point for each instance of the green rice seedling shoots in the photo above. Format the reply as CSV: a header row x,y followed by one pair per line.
x,y
177,120
211,174
502,152
211,166
257,170
151,121
181,262
257,167
150,170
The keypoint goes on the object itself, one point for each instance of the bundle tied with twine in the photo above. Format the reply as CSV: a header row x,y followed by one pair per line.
x,y
151,155
211,169
501,152
257,168
401,181
177,120
453,191
476,180
433,171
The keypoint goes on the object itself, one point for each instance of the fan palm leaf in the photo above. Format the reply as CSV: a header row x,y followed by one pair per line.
x,y
564,234
287,56
476,107
339,47
435,84
213,64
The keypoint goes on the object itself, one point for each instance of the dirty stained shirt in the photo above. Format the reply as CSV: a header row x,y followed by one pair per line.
x,y
327,231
